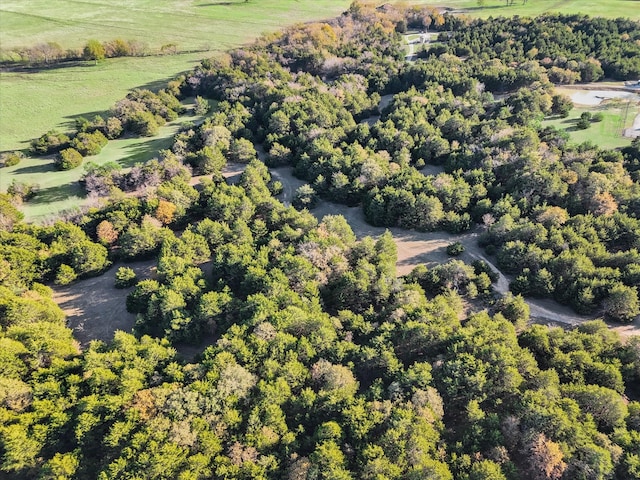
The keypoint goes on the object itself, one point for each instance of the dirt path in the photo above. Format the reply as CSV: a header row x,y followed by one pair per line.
x,y
231,171
429,248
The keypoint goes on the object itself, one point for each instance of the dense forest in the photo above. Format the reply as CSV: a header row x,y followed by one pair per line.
x,y
325,364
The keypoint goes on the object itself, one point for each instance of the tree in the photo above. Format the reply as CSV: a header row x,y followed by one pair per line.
x,y
305,197
106,232
584,122
201,105
68,159
486,470
561,105
455,249
545,458
165,211
94,50
125,277
622,304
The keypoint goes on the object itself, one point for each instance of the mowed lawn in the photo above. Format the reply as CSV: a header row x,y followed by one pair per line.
x,y
495,8
60,191
605,134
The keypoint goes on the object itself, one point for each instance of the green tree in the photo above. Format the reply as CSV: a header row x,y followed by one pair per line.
x,y
94,50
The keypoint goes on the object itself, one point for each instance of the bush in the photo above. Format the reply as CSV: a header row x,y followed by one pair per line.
x,y
24,191
68,158
597,117
89,143
455,249
144,124
584,122
65,275
50,142
125,277
201,106
9,159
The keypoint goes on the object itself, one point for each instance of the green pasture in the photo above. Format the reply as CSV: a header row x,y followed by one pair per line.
x,y
33,103
608,132
496,8
190,24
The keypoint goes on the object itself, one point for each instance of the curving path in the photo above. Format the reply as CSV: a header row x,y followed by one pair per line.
x,y
429,248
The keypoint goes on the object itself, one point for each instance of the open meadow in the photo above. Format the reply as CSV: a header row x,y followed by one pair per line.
x,y
495,8
616,116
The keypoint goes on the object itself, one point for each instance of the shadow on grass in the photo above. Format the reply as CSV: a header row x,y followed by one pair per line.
x,y
479,9
144,151
57,193
221,4
44,168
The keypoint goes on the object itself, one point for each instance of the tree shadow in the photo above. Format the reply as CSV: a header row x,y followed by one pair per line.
x,y
57,193
488,7
144,151
221,4
44,168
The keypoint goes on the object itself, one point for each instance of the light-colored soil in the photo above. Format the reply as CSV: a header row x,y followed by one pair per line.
x,y
596,97
95,309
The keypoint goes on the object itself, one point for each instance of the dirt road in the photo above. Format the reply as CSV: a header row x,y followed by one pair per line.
x,y
429,248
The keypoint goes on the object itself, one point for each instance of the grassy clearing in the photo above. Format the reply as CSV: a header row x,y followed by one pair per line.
x,y
495,8
607,133
60,190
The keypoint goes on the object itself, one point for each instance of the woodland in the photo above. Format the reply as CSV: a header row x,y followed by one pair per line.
x,y
322,363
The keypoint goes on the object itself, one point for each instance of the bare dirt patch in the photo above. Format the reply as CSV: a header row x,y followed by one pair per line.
x,y
95,309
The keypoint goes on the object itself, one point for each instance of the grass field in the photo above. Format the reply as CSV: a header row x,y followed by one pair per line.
x,y
607,133
187,23
495,8
33,103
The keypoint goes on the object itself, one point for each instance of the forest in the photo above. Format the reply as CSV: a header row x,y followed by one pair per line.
x,y
324,363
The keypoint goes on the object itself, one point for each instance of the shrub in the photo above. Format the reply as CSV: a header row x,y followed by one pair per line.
x,y
68,158
113,128
50,142
144,124
9,159
89,143
24,191
455,249
125,277
65,275
201,106
584,122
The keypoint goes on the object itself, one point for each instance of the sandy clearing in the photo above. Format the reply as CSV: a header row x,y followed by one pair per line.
x,y
95,309
596,97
